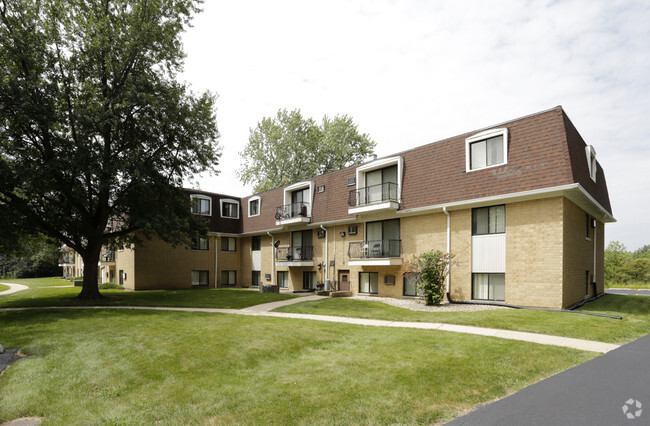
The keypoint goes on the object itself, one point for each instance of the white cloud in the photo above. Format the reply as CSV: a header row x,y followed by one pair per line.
x,y
412,72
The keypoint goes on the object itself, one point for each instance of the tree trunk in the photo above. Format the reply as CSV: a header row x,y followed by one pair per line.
x,y
90,290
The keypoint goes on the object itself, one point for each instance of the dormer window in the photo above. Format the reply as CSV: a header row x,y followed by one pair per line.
x,y
254,206
201,204
591,162
486,149
229,209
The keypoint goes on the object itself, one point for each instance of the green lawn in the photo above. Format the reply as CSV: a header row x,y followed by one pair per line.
x,y
633,285
635,311
145,367
4,287
45,292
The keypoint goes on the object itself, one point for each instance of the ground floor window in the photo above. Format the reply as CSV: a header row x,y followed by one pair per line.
x,y
369,282
283,279
228,277
410,288
256,278
199,277
309,280
489,286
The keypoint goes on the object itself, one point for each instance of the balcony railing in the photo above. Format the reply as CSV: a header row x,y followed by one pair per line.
x,y
290,211
294,254
108,256
69,259
380,193
376,249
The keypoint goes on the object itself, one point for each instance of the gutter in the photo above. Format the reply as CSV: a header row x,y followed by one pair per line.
x,y
327,270
444,209
272,260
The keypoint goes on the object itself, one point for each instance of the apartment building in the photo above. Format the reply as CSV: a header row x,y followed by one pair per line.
x,y
521,205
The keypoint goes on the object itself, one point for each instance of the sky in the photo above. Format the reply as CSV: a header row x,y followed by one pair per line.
x,y
413,72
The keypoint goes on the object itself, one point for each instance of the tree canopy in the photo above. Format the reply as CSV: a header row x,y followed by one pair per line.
x,y
289,148
95,127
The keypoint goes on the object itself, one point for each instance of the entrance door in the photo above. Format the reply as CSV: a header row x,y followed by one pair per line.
x,y
344,280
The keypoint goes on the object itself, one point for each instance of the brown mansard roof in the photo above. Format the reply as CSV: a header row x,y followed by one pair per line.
x,y
544,151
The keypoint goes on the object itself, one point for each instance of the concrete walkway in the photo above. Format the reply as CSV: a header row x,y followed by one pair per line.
x,y
629,292
14,288
612,389
263,311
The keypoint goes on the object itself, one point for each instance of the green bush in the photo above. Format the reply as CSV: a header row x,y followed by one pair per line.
x,y
110,286
430,270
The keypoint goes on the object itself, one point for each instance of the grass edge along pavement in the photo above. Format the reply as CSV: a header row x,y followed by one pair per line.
x,y
137,366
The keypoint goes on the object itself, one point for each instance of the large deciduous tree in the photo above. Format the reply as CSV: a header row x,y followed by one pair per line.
x,y
288,148
94,126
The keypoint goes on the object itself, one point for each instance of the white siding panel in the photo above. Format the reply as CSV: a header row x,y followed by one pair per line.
x,y
257,260
489,253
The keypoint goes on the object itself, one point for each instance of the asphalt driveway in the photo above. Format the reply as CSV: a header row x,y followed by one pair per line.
x,y
612,389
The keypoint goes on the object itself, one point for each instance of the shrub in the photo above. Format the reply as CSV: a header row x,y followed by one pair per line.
x,y
110,286
430,270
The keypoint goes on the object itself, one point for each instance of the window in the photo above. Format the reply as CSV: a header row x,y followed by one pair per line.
x,y
488,287
382,239
199,243
256,278
199,277
369,282
228,244
228,277
352,181
410,288
489,220
256,243
254,206
587,281
486,149
301,245
283,279
377,182
591,162
229,209
309,280
352,230
201,204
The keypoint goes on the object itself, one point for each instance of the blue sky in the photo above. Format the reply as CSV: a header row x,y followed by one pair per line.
x,y
413,72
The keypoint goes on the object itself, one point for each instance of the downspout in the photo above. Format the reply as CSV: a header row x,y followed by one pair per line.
x,y
593,279
327,270
272,259
216,260
444,209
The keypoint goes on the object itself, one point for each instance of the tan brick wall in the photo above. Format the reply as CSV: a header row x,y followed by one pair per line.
x,y
460,276
231,261
152,260
579,255
534,251
125,261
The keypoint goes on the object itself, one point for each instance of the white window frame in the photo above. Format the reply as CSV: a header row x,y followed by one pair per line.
x,y
202,197
199,272
230,201
381,164
198,243
591,161
296,186
487,134
259,205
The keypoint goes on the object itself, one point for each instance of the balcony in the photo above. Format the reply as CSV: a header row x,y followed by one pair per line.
x,y
374,198
107,256
294,256
375,253
66,260
295,213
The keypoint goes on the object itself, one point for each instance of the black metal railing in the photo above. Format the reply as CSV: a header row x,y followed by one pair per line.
x,y
108,256
297,253
373,194
289,211
374,249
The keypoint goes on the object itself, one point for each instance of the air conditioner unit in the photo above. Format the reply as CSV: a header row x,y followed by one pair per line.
x,y
321,233
352,230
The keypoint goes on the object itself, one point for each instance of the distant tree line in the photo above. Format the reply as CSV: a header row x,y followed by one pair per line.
x,y
625,267
30,258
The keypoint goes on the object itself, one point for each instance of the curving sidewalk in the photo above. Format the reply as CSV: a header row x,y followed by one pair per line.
x,y
264,309
14,288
